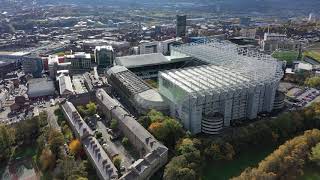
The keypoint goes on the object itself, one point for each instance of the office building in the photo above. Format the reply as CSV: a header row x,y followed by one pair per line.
x,y
147,47
79,60
104,56
32,65
181,25
236,84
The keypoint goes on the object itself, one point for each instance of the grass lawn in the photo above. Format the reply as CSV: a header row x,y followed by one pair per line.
x,y
224,170
288,56
312,54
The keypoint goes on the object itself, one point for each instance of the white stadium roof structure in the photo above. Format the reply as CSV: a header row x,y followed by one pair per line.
x,y
251,64
235,83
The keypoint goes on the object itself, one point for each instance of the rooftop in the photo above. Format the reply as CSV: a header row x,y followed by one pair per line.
x,y
65,84
133,83
79,55
201,78
142,60
98,48
251,64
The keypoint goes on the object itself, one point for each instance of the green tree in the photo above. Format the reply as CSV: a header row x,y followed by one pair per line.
x,y
70,169
125,142
315,154
98,135
91,109
213,152
178,169
313,81
6,141
28,130
156,116
169,131
117,162
145,121
185,146
114,124
82,111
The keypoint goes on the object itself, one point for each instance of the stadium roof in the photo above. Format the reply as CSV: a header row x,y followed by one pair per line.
x,y
132,82
142,60
208,77
254,65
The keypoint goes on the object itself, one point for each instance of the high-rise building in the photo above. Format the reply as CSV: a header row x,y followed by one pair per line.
x,y
32,65
104,56
181,25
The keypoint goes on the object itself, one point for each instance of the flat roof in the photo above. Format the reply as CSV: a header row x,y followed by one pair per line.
x,y
142,60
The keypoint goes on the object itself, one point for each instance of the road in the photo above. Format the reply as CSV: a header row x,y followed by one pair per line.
x,y
52,118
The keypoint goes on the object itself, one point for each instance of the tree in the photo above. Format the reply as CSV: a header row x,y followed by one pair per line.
x,y
315,154
117,162
125,142
47,159
55,141
60,116
213,152
313,81
28,130
145,121
185,146
287,162
6,140
178,169
91,109
229,151
82,111
43,118
75,146
156,129
169,131
156,116
114,124
99,135
71,169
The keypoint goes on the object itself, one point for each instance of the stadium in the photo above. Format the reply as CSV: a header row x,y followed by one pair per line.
x,y
234,84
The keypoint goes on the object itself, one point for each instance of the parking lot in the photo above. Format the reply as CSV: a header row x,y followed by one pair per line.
x,y
299,97
10,117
